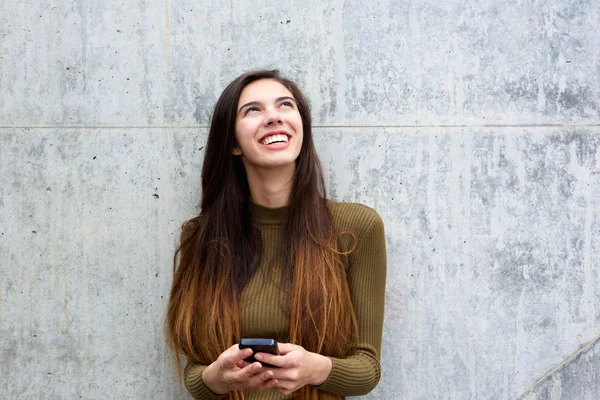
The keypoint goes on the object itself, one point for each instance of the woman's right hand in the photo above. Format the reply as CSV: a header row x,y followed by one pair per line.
x,y
230,372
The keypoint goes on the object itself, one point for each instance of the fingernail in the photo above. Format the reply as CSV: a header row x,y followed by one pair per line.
x,y
248,352
258,356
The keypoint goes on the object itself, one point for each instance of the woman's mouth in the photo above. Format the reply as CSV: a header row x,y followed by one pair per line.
x,y
276,140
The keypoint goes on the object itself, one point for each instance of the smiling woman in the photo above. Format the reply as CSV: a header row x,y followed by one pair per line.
x,y
270,257
268,133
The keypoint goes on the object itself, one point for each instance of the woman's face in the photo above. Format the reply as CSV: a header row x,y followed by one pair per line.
x,y
268,126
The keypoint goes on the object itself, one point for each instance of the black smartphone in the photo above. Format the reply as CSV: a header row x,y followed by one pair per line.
x,y
260,346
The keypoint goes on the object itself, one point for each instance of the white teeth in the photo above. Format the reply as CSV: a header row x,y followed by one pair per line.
x,y
275,138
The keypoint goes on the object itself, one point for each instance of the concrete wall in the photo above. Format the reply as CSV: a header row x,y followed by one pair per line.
x,y
472,127
576,378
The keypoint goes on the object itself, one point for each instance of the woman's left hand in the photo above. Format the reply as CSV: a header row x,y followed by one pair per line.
x,y
297,367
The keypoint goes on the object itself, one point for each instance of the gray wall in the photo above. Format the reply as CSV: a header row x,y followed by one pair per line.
x,y
471,126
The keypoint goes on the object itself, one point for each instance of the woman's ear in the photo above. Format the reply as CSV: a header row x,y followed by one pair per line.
x,y
236,151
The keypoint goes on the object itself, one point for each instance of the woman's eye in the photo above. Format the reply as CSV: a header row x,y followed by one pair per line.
x,y
287,104
251,109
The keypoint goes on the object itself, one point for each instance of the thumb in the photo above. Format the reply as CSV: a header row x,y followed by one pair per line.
x,y
233,355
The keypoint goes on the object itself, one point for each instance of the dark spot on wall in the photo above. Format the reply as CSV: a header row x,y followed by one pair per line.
x,y
204,106
570,100
521,90
155,195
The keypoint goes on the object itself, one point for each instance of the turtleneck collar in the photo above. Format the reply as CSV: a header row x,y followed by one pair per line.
x,y
268,216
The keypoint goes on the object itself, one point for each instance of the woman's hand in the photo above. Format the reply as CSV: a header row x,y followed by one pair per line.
x,y
297,368
230,372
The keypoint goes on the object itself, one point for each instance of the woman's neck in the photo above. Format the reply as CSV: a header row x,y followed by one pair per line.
x,y
271,187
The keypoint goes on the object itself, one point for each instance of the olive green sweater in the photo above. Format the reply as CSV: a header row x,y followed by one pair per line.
x,y
263,315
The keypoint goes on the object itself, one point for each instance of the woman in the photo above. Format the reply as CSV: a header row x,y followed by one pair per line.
x,y
270,257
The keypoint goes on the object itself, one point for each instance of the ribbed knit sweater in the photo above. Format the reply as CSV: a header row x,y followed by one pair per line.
x,y
263,315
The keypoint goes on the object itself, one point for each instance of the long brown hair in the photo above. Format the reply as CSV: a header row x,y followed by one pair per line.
x,y
220,249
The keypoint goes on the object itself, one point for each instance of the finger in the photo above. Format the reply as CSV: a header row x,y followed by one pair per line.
x,y
252,370
242,364
232,356
279,374
285,348
261,369
261,380
285,376
268,384
277,361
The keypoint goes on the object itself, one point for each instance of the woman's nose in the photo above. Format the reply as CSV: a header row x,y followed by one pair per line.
x,y
272,116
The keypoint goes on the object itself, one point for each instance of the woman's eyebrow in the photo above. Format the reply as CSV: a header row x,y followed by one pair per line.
x,y
250,103
257,103
277,100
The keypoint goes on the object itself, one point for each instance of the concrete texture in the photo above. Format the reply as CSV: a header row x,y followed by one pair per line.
x,y
389,63
472,127
577,379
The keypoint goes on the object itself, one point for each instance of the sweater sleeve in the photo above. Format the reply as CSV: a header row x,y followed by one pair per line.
x,y
359,373
192,377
